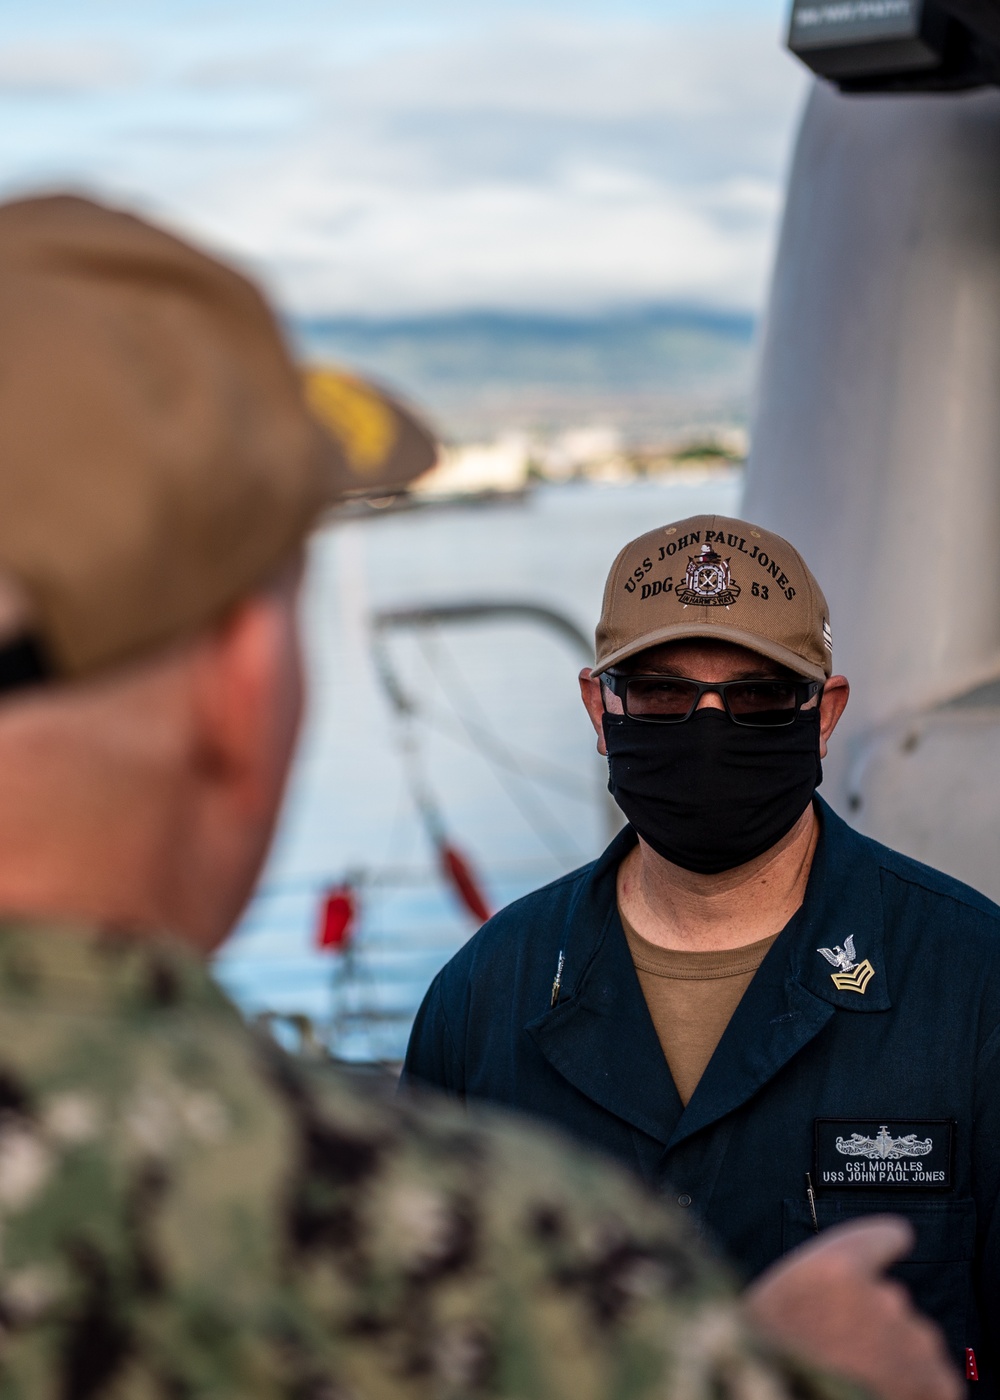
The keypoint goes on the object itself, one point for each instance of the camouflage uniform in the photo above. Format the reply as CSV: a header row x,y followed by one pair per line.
x,y
187,1212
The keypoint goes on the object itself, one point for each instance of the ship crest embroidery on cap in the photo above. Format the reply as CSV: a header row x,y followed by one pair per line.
x,y
708,582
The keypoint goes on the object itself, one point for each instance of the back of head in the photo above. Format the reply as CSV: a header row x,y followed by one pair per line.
x,y
161,467
158,459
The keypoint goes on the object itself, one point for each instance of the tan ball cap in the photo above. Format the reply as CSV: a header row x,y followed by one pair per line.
x,y
157,457
710,576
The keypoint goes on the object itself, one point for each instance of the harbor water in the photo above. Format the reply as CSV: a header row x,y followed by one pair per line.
x,y
480,721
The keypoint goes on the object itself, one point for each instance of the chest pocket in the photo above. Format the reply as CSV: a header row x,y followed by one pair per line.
x,y
938,1271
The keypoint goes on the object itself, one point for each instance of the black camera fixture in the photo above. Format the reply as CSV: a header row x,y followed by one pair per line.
x,y
899,45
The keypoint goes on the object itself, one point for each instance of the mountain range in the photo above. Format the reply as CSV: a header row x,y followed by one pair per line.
x,y
649,372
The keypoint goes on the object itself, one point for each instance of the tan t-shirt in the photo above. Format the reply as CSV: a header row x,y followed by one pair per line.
x,y
691,998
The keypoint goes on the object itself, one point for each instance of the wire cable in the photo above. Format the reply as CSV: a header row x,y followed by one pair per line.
x,y
498,755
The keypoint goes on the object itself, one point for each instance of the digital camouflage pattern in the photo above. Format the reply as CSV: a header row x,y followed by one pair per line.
x,y
187,1212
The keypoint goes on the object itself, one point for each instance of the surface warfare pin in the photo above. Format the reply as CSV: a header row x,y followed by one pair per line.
x,y
851,976
708,582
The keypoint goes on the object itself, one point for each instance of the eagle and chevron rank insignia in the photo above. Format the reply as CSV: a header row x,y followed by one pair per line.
x,y
851,976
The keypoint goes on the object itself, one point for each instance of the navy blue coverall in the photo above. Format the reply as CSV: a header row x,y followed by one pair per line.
x,y
888,1097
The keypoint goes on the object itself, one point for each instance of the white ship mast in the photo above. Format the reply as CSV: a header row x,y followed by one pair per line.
x,y
876,446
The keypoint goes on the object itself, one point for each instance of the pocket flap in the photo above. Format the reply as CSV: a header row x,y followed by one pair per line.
x,y
945,1229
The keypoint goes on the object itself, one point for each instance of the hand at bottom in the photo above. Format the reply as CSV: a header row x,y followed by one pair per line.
x,y
831,1302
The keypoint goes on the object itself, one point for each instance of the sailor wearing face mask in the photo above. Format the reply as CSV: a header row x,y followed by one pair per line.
x,y
775,1020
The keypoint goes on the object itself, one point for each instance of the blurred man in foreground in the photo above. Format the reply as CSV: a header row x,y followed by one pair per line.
x,y
184,1211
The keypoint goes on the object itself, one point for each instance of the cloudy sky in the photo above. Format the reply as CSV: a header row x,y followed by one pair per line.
x,y
403,156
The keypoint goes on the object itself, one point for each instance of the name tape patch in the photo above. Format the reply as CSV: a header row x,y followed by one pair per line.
x,y
889,1153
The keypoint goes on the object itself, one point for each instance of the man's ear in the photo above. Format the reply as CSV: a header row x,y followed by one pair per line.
x,y
836,693
247,700
590,691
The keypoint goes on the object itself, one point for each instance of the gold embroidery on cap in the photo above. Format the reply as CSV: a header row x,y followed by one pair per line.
x,y
708,581
363,425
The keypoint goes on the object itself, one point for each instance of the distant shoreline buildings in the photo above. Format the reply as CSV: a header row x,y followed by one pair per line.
x,y
515,461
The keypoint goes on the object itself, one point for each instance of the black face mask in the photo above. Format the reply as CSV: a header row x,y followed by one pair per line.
x,y
708,794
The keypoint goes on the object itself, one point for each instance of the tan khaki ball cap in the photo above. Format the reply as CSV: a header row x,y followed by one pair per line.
x,y
710,576
157,457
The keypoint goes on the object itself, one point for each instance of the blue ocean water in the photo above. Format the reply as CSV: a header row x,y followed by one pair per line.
x,y
491,734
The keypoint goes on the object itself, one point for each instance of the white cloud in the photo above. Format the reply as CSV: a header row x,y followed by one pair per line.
x,y
532,161
586,237
50,68
598,69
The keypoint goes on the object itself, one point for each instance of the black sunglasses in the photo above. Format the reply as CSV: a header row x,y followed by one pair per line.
x,y
673,699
